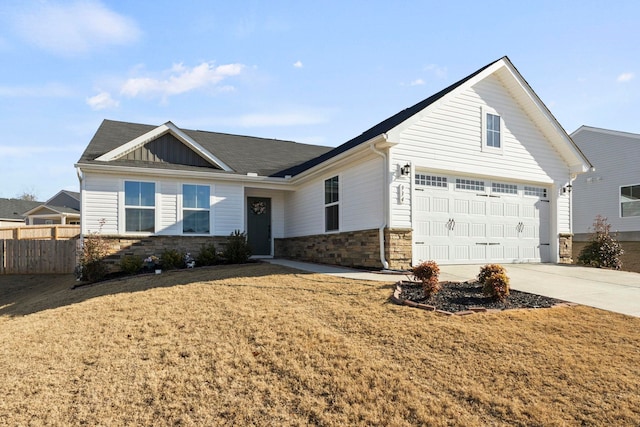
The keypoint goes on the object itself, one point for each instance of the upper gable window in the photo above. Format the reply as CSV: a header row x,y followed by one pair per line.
x,y
140,206
630,200
491,131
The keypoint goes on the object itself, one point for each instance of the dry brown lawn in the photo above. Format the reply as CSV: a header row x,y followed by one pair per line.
x,y
265,345
630,258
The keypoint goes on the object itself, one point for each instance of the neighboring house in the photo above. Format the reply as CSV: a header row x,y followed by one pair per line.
x,y
612,188
12,211
63,208
476,173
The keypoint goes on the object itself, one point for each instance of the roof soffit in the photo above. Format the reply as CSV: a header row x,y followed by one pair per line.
x,y
168,127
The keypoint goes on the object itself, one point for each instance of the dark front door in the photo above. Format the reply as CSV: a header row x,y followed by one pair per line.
x,y
259,225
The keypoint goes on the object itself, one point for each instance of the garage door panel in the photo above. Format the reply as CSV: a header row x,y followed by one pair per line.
x,y
496,252
478,252
511,209
461,229
440,252
423,204
511,253
461,207
422,228
497,231
440,229
478,230
497,209
478,208
462,252
440,204
529,212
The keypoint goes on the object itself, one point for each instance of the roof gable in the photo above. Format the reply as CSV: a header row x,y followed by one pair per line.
x,y
515,83
150,147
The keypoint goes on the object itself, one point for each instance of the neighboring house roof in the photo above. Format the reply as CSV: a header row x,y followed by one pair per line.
x,y
242,154
585,128
64,202
14,209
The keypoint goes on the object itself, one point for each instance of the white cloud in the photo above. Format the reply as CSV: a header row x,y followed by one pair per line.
x,y
180,79
75,27
298,64
417,82
51,90
625,77
440,72
102,101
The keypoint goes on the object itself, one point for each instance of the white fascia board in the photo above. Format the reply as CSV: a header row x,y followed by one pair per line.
x,y
43,206
156,133
262,181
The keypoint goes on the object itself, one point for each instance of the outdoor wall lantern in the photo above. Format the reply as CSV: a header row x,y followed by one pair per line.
x,y
405,170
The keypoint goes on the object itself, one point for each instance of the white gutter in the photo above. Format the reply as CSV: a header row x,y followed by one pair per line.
x,y
385,194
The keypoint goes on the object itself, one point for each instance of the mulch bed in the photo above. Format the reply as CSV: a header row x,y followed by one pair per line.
x,y
463,296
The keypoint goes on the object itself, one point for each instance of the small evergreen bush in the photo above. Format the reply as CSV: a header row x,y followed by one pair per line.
x,y
171,259
495,282
603,249
207,255
427,272
131,264
237,250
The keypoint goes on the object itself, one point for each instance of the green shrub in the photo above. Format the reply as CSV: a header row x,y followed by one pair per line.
x,y
94,250
496,286
237,250
171,259
489,270
603,249
207,255
131,264
427,272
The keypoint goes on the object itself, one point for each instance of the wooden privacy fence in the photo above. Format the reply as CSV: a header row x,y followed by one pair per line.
x,y
28,232
38,256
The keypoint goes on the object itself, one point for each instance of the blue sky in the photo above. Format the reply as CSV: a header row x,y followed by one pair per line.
x,y
314,72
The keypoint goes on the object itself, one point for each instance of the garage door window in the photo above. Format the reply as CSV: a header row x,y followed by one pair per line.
x,y
469,184
535,192
431,180
497,187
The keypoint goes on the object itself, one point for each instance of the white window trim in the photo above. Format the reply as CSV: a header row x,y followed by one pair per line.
x,y
181,209
484,147
620,201
122,207
326,205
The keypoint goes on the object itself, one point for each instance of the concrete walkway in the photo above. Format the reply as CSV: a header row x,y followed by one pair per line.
x,y
617,291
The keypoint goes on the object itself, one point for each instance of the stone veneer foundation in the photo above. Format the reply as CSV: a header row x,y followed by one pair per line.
x,y
349,249
154,245
566,248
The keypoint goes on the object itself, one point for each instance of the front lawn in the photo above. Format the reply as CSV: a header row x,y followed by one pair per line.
x,y
265,345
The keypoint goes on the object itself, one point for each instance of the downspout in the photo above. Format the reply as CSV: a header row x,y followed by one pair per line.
x,y
385,193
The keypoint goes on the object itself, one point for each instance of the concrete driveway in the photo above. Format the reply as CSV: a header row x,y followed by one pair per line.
x,y
617,291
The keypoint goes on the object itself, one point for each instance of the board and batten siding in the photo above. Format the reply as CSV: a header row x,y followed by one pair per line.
x,y
614,156
361,194
447,137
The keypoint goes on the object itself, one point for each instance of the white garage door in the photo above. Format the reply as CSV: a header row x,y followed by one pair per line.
x,y
467,221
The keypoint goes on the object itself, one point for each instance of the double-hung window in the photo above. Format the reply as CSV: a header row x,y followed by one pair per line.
x,y
630,200
195,208
331,204
491,131
140,206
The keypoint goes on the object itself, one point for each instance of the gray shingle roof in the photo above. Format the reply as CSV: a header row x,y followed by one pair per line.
x,y
14,208
243,154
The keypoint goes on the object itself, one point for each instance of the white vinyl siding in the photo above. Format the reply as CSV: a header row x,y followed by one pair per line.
x,y
228,209
614,157
361,195
168,208
100,202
